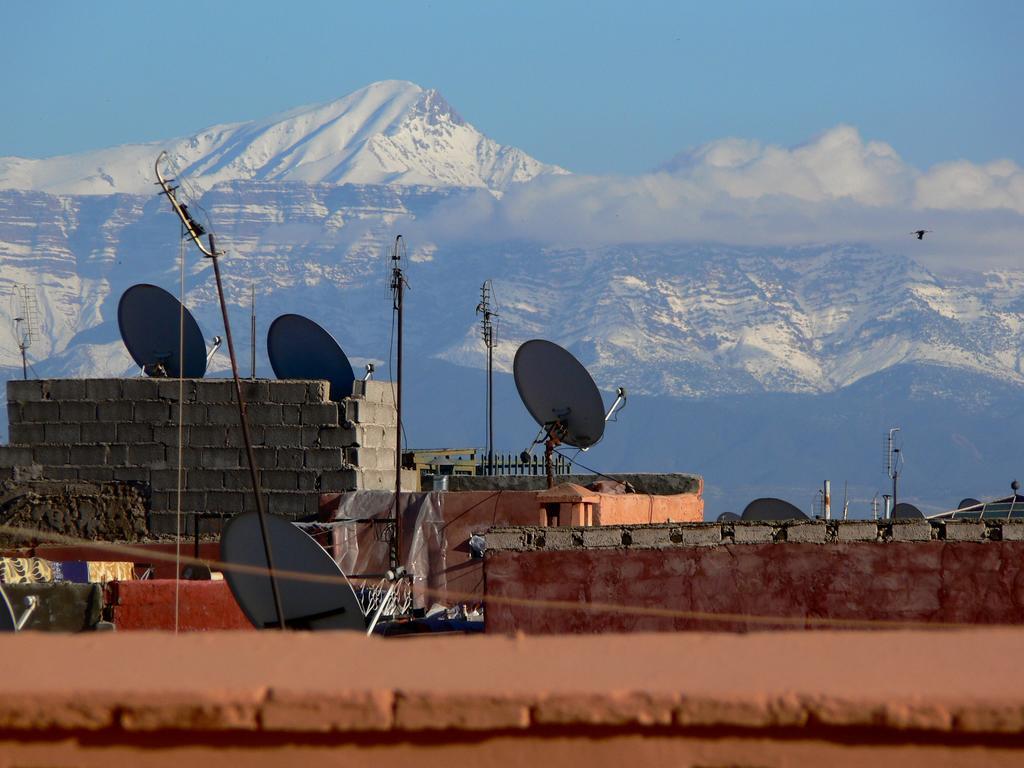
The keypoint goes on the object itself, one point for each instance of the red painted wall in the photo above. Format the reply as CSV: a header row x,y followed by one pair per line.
x,y
934,581
202,605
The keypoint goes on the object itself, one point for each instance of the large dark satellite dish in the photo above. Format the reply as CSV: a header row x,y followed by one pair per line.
x,y
905,511
970,504
771,509
149,318
556,388
301,349
314,603
727,517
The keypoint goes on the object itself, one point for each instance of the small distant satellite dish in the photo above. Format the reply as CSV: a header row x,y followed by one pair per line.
x,y
771,509
301,349
149,319
727,517
556,389
968,503
905,511
307,603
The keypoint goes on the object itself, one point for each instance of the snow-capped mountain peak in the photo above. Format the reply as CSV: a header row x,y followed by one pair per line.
x,y
388,132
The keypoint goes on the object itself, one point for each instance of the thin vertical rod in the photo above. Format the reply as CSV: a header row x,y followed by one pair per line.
x,y
396,541
490,407
252,333
24,364
257,491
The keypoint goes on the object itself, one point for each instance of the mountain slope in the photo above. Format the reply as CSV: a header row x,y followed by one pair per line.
x,y
388,132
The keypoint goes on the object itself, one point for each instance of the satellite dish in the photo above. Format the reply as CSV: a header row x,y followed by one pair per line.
x,y
557,390
301,349
727,517
968,503
905,511
149,318
771,509
327,603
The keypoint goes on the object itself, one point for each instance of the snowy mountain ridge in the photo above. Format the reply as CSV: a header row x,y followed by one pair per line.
x,y
388,132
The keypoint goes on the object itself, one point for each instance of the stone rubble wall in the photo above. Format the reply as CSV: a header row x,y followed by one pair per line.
x,y
127,430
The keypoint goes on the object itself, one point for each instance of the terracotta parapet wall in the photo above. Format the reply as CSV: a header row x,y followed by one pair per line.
x,y
150,699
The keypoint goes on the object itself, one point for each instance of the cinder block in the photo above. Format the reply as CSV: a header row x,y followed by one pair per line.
x,y
291,414
264,456
279,479
697,535
812,532
207,436
221,458
66,389
24,391
323,458
311,437
114,411
77,411
164,479
374,391
337,437
221,413
254,391
375,480
60,473
288,391
320,414
170,389
289,458
318,392
267,414
339,480
98,432
753,533
14,413
856,530
96,474
192,415
284,503
141,389
204,479
964,530
352,409
155,412
27,473
61,433
559,538
308,480
369,436
224,502
911,530
147,455
237,479
602,536
26,434
1013,530
103,389
117,454
50,455
130,474
15,456
191,501
132,432
282,436
215,391
87,455
649,536
505,539
40,412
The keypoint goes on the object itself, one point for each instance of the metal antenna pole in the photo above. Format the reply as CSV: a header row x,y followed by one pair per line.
x,y
252,332
487,329
211,252
398,291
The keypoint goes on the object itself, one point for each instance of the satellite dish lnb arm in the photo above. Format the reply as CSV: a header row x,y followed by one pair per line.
x,y
193,229
618,405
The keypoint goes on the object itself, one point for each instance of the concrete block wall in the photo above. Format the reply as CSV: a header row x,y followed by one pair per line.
x,y
127,430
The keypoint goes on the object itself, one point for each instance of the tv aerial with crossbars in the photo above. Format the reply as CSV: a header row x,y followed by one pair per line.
x,y
25,321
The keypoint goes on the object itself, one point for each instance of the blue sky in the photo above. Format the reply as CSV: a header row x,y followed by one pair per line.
x,y
594,86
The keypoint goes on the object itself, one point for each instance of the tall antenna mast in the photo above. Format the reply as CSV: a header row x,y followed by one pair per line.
x,y
252,332
398,285
487,330
195,231
892,462
25,316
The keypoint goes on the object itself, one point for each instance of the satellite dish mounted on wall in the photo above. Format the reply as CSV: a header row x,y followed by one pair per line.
x,y
300,349
560,395
727,517
325,601
905,511
149,319
771,509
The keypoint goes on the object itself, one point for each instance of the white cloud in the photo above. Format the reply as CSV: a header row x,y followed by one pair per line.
x,y
834,187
